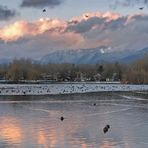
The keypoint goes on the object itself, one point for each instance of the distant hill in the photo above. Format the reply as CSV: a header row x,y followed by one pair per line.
x,y
5,61
135,56
89,56
93,56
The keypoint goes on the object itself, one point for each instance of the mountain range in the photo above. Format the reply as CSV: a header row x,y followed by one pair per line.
x,y
93,56
89,56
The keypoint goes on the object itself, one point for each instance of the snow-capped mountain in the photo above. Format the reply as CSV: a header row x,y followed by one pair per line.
x,y
93,56
81,56
89,56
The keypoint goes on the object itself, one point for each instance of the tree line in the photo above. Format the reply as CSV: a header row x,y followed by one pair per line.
x,y
25,69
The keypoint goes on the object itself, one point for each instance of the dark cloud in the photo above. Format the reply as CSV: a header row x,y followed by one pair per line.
x,y
41,3
6,14
85,25
128,3
101,23
125,32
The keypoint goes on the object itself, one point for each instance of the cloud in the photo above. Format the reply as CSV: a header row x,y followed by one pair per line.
x,y
41,3
128,3
35,39
6,14
84,24
22,29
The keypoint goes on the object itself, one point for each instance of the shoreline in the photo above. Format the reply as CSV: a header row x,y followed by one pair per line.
x,y
66,88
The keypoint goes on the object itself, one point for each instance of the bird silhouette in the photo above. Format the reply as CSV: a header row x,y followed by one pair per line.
x,y
94,104
62,118
141,8
44,10
106,128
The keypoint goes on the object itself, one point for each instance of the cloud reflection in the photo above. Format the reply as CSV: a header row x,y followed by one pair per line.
x,y
11,130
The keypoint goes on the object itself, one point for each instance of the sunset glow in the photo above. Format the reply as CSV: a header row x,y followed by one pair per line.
x,y
33,33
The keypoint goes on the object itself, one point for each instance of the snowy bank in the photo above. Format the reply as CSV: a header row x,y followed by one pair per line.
x,y
51,89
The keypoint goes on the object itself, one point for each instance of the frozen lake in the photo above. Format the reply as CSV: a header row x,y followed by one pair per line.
x,y
34,121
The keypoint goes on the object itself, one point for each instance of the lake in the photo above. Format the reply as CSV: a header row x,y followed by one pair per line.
x,y
34,121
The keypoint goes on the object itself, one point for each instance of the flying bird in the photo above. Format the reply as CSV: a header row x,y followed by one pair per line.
x,y
44,10
94,104
141,8
62,118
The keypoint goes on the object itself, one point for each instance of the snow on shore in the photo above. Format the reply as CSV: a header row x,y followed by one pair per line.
x,y
51,89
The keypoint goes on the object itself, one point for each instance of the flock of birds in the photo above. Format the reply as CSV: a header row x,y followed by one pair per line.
x,y
87,16
66,89
106,128
62,118
140,8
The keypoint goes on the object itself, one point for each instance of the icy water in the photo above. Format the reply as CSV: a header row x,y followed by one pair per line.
x,y
34,122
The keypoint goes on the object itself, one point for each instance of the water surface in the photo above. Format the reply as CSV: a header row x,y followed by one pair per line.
x,y
34,122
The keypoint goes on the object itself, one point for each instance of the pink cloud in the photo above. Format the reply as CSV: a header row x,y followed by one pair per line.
x,y
21,29
89,30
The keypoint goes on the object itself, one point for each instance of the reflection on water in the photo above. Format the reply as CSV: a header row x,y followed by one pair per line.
x,y
10,129
110,143
35,122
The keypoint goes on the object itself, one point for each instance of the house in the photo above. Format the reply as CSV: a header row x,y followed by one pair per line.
x,y
97,77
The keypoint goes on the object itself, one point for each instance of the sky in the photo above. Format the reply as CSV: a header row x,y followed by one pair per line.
x,y
26,31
